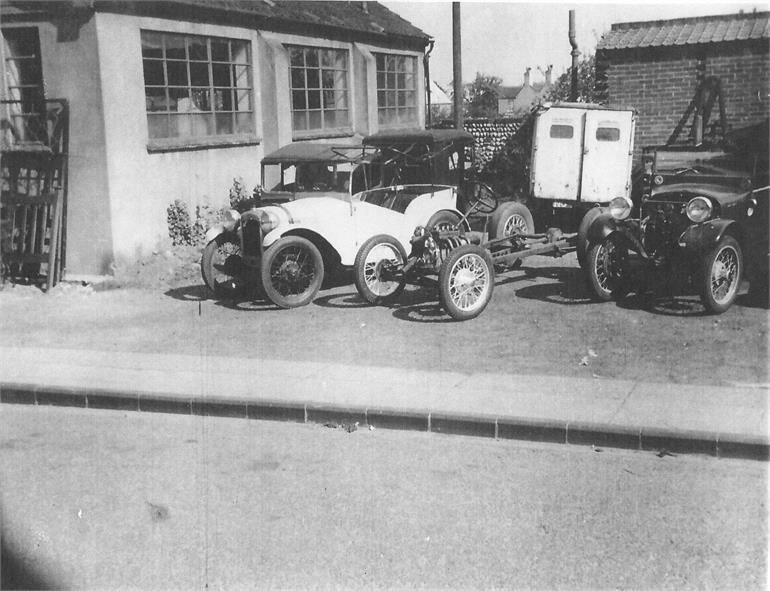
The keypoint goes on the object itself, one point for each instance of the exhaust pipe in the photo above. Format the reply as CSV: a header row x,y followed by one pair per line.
x,y
573,94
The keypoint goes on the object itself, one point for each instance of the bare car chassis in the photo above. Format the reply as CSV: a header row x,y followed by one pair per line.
x,y
465,261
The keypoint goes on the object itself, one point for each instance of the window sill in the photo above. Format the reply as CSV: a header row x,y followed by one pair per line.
x,y
321,134
190,144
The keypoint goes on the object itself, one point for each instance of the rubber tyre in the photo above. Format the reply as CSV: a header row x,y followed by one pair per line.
x,y
722,263
582,237
509,216
292,272
367,269
222,277
468,267
443,220
604,267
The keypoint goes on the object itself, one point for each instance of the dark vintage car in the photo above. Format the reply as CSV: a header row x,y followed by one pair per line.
x,y
699,221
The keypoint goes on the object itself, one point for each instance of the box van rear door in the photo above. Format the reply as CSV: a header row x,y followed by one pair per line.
x,y
557,154
607,154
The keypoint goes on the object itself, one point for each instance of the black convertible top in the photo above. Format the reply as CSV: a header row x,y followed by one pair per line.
x,y
306,152
418,136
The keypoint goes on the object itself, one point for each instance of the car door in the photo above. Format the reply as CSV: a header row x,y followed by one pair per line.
x,y
557,154
607,153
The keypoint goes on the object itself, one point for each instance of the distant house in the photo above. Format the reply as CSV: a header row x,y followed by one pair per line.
x,y
506,96
440,102
657,66
172,99
518,100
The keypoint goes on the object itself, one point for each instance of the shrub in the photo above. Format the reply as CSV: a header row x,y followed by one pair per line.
x,y
186,231
240,198
179,227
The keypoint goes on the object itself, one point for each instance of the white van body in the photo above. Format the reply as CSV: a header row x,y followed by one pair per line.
x,y
581,154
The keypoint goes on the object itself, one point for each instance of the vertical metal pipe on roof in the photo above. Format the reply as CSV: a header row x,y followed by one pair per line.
x,y
457,66
428,89
573,93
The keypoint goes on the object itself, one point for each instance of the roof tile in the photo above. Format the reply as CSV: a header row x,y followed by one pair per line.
x,y
687,31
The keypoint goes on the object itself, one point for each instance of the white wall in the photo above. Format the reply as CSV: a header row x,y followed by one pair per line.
x,y
142,184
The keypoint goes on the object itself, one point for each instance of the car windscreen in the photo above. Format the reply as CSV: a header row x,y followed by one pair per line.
x,y
315,177
673,161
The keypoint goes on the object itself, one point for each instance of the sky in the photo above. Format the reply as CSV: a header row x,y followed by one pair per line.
x,y
504,38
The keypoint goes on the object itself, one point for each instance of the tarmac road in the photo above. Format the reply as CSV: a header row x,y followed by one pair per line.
x,y
540,322
102,499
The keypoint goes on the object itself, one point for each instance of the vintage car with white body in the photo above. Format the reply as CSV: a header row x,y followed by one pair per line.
x,y
285,245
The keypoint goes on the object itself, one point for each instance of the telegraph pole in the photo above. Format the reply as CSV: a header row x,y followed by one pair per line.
x,y
457,66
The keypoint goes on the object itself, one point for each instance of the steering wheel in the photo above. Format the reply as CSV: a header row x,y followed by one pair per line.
x,y
481,197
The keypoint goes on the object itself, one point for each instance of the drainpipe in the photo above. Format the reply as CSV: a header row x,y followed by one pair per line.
x,y
573,94
457,66
426,72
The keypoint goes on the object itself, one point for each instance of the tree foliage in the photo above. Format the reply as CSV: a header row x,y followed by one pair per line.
x,y
481,96
591,84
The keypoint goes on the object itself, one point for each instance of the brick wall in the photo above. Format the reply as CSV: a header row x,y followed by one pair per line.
x,y
660,83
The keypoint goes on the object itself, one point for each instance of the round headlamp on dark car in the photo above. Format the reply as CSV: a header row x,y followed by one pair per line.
x,y
230,219
620,208
699,209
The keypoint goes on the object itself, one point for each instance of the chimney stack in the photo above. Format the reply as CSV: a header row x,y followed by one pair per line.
x,y
526,77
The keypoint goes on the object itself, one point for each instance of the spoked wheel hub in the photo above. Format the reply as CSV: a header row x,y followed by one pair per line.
x,y
516,224
724,275
466,281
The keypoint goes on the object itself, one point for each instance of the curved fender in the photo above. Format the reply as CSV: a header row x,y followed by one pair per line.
x,y
605,226
705,236
601,227
215,231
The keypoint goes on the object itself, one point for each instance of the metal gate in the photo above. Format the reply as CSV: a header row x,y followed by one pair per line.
x,y
33,181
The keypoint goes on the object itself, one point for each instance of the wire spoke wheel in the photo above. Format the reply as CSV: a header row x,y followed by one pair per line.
x,y
466,281
292,272
511,218
722,271
222,265
377,268
516,224
606,268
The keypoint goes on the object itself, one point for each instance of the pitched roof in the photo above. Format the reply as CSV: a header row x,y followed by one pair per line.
x,y
508,92
364,17
687,31
335,18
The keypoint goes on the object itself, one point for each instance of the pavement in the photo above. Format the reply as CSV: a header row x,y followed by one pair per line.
x,y
661,417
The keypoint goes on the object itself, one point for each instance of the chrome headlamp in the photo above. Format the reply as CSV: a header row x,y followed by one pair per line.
x,y
230,219
268,220
699,209
620,208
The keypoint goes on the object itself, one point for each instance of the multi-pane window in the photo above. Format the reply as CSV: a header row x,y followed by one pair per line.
x,y
197,87
319,90
23,74
396,89
23,91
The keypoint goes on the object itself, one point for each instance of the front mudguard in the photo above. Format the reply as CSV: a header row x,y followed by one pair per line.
x,y
628,231
220,228
700,238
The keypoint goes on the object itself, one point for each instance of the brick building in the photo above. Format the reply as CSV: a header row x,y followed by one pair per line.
x,y
656,67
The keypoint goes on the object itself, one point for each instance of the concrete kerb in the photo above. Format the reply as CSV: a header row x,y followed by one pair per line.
x,y
478,425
